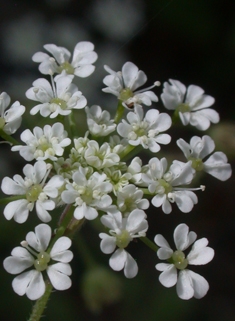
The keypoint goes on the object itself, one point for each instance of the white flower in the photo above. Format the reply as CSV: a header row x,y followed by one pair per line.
x,y
10,119
216,165
87,195
59,100
136,169
188,283
81,64
164,184
192,108
33,254
130,198
123,231
124,83
99,122
42,144
34,190
116,178
146,131
117,145
100,157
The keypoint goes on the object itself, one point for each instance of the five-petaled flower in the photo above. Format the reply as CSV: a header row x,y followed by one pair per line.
x,y
188,283
34,253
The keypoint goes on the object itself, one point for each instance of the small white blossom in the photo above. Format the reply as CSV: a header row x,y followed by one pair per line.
x,y
87,195
198,148
146,131
123,231
117,145
188,283
33,254
100,156
124,83
116,178
136,169
191,107
128,199
99,122
10,119
59,100
34,191
42,144
81,65
166,185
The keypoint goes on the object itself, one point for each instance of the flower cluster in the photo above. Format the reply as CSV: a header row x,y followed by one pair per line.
x,y
89,177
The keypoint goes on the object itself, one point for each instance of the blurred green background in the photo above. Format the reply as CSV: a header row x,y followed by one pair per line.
x,y
191,41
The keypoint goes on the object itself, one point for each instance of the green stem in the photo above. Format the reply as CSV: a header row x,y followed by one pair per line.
x,y
66,217
126,151
40,305
72,124
119,112
6,200
149,243
8,138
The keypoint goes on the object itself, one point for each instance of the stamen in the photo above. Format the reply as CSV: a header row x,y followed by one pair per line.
x,y
25,244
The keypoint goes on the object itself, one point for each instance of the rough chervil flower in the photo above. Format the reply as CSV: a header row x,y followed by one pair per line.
x,y
88,195
165,185
43,144
188,283
59,100
124,83
10,119
123,231
81,65
33,190
99,122
33,254
192,109
216,165
100,157
146,131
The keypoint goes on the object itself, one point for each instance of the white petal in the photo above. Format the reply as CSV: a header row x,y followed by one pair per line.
x,y
164,253
217,166
131,267
184,286
18,209
58,275
200,254
10,187
108,243
20,260
30,283
118,259
161,241
181,237
59,250
41,238
168,277
200,285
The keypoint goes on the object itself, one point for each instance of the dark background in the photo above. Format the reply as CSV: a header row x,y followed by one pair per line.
x,y
191,41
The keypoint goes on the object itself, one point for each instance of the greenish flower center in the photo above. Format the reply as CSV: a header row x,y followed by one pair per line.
x,y
2,122
123,240
183,108
67,67
59,102
33,193
125,94
167,186
41,262
197,163
179,260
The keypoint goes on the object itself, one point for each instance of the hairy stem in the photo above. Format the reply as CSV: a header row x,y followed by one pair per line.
x,y
40,305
